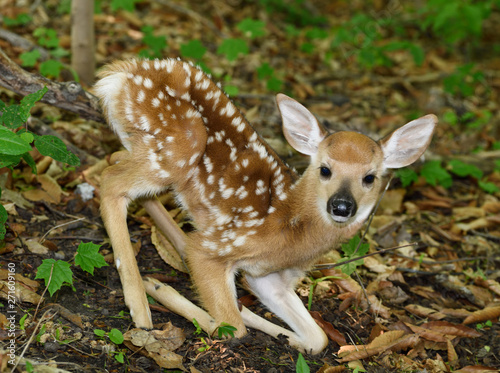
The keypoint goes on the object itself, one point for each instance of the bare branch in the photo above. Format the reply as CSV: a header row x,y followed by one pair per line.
x,y
68,95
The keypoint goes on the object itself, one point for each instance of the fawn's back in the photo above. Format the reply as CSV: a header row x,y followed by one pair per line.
x,y
182,131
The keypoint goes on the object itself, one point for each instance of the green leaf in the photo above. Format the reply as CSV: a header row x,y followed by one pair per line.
x,y
407,176
226,330
252,28
156,43
29,59
435,174
51,68
15,116
88,257
274,84
350,252
10,160
116,336
47,37
55,148
232,48
60,274
128,5
264,71
3,219
489,187
99,332
193,49
120,357
301,366
231,90
30,161
26,136
462,169
12,144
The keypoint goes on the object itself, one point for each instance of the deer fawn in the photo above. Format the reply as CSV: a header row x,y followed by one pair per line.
x,y
253,214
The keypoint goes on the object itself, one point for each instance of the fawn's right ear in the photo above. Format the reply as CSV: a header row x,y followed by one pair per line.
x,y
300,127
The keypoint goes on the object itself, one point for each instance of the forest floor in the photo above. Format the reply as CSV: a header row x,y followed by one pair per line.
x,y
433,307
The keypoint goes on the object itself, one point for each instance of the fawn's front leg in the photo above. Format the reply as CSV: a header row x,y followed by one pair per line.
x,y
114,201
276,292
214,281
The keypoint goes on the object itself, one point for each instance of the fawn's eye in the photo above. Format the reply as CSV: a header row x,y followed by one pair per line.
x,y
369,179
325,172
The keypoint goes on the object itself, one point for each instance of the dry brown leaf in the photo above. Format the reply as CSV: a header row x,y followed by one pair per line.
x,y
386,338
157,345
462,213
452,355
356,364
449,328
424,312
377,346
36,247
488,313
166,251
22,293
493,285
37,195
329,329
392,201
50,185
476,369
377,308
428,334
329,369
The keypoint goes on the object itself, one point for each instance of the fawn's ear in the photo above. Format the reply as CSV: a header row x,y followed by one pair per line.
x,y
406,144
300,127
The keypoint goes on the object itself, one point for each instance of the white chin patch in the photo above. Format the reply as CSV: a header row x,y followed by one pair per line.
x,y
339,219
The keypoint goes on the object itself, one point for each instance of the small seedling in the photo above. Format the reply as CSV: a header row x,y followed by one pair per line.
x,y
301,365
232,48
57,273
354,248
487,324
225,330
117,338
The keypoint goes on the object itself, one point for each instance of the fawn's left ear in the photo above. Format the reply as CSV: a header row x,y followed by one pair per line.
x,y
406,144
300,127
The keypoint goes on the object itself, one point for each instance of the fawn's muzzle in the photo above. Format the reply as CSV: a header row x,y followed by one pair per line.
x,y
341,206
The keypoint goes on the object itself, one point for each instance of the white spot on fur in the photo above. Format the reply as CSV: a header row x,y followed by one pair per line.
x,y
148,83
141,96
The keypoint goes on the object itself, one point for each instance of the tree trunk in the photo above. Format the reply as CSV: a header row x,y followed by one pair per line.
x,y
82,40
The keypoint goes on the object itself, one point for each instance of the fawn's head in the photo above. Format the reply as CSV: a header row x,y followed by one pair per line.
x,y
346,168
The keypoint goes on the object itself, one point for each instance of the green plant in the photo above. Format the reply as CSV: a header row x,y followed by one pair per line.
x,y
252,28
128,5
155,44
16,142
232,48
455,21
225,330
487,324
463,80
21,19
301,365
117,338
353,249
56,273
294,11
266,72
435,174
362,37
313,285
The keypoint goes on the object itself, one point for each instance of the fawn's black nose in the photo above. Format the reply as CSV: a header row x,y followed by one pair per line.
x,y
342,206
